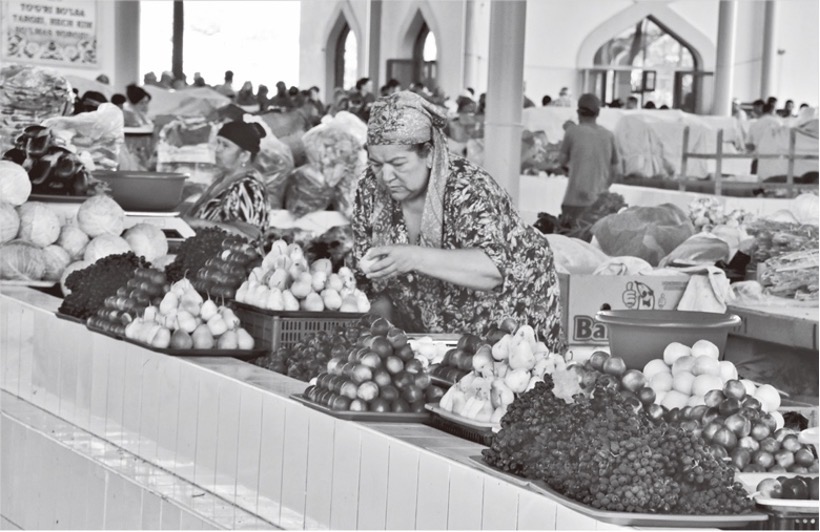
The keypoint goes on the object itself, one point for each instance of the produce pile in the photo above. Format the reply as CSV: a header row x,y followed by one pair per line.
x,y
794,488
773,239
708,213
223,273
285,281
379,374
599,451
89,287
456,362
143,289
310,355
792,275
193,252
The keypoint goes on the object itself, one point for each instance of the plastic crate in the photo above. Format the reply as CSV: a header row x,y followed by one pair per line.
x,y
790,521
272,329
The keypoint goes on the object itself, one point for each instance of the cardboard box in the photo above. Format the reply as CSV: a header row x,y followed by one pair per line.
x,y
582,296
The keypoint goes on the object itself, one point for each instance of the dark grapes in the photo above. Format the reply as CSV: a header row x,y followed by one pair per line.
x,y
600,452
90,286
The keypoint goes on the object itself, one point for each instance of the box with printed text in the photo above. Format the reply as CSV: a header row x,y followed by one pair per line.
x,y
582,296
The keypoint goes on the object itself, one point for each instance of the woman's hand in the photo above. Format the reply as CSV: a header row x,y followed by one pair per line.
x,y
393,260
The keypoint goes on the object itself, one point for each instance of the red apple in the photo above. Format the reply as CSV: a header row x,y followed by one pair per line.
x,y
760,431
633,380
397,338
763,458
382,377
393,364
378,405
709,415
769,445
357,405
784,458
368,391
726,438
340,403
753,468
740,457
405,353
751,402
739,425
770,488
371,360
362,373
718,451
729,406
710,430
615,366
747,442
803,457
349,389
597,359
389,392
415,366
646,395
790,443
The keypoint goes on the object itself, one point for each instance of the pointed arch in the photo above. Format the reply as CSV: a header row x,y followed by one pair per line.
x,y
420,14
340,23
702,48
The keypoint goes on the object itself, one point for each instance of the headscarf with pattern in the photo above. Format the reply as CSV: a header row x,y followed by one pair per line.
x,y
405,118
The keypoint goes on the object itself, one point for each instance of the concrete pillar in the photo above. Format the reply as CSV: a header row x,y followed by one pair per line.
x,y
725,64
126,45
374,43
768,67
502,133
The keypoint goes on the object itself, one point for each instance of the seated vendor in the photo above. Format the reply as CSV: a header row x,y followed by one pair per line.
x,y
440,243
135,112
236,201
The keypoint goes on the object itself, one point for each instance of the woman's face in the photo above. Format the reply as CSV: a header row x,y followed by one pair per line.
x,y
229,155
401,170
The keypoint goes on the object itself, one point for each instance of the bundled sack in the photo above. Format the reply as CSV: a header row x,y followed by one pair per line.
x,y
650,233
100,133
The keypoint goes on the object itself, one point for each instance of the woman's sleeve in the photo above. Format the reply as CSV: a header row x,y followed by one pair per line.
x,y
246,201
362,230
483,219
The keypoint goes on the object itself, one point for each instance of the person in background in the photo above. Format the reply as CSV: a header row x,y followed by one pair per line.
x,y
437,240
150,79
364,90
262,97
199,81
180,83
296,97
281,100
384,91
341,102
166,80
737,111
632,102
589,155
757,108
564,98
649,105
393,86
119,100
237,199
315,101
803,105
135,113
616,104
102,78
546,100
245,96
664,107
226,89
759,128
90,101
788,109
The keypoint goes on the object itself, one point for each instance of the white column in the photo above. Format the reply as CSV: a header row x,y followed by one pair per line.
x,y
725,65
768,66
126,45
502,133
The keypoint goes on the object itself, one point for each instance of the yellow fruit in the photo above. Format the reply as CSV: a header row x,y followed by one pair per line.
x,y
728,372
683,383
683,365
662,382
706,383
674,399
705,348
674,351
768,396
653,367
751,387
706,365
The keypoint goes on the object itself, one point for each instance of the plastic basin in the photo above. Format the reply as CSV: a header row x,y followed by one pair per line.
x,y
145,191
639,336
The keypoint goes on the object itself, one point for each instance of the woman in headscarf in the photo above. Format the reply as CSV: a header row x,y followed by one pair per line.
x,y
439,241
135,112
237,200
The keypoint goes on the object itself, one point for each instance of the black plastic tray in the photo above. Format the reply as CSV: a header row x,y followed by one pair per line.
x,y
297,313
75,319
372,417
242,354
632,519
105,333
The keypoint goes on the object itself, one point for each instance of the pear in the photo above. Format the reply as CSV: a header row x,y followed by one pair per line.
x,y
521,356
132,329
231,319
318,281
162,339
301,289
291,303
279,279
349,304
169,302
181,340
191,301
526,333
331,299
208,310
322,265
180,287
362,302
229,340
295,252
150,313
259,296
283,262
499,412
334,282
501,368
501,395
517,380
186,321
202,337
242,291
275,300
279,248
485,414
217,325
501,349
258,274
149,332
244,339
313,303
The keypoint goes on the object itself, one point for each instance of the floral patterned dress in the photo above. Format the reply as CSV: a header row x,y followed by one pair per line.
x,y
478,214
244,200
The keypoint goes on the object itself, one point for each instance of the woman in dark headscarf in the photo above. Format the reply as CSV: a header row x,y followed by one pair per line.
x,y
439,241
237,199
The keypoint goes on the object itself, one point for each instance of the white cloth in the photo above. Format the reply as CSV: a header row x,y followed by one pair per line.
x,y
708,291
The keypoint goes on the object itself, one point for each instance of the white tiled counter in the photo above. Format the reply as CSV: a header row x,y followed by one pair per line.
x,y
144,440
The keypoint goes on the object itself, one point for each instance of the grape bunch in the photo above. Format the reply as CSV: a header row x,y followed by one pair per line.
x,y
603,452
193,252
309,357
92,285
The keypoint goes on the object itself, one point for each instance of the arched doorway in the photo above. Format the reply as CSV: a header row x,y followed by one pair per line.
x,y
420,44
650,63
342,56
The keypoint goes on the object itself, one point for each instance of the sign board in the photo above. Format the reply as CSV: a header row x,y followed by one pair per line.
x,y
49,32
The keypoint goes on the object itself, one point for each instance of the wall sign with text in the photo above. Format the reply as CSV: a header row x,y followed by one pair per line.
x,y
56,32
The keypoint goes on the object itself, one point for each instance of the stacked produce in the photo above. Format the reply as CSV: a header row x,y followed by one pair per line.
x,y
456,362
286,282
708,213
90,286
309,356
599,451
184,320
379,374
773,238
794,488
514,363
193,252
145,288
792,275
222,274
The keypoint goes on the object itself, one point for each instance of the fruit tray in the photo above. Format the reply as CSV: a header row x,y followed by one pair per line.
x,y
242,354
33,284
105,333
75,319
746,521
477,432
800,506
372,417
273,329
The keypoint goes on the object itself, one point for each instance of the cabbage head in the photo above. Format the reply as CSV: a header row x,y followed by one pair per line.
x,y
38,224
101,215
15,185
73,240
56,259
103,246
147,240
21,261
9,222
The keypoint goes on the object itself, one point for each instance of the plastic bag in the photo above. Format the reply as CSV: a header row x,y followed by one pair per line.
x,y
99,133
702,248
307,191
649,233
274,162
574,256
623,266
